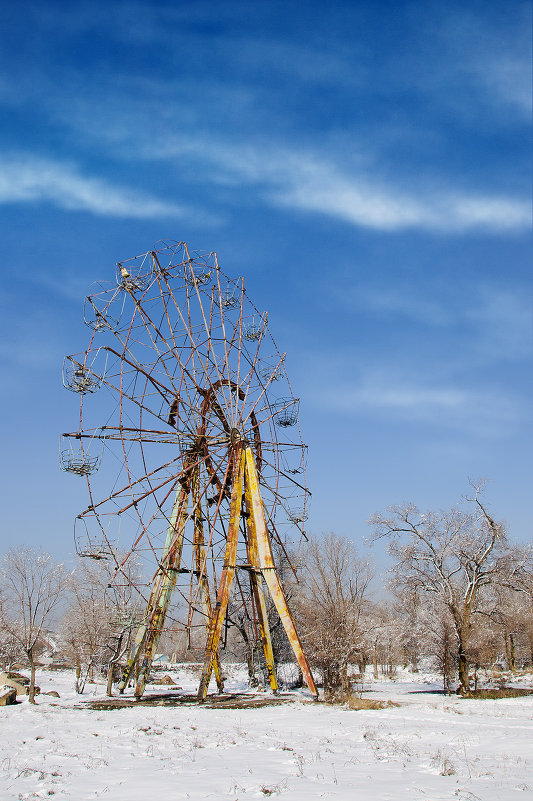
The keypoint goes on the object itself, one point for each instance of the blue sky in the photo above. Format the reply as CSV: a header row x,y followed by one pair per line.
x,y
365,166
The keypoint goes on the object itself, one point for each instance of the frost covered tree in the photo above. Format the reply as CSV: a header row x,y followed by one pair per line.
x,y
451,555
98,624
10,648
32,586
333,606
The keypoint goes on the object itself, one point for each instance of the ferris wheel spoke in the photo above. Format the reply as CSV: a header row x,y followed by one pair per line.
x,y
158,386
253,365
264,389
167,394
211,357
235,342
150,323
239,348
224,376
151,492
286,475
223,326
176,349
187,326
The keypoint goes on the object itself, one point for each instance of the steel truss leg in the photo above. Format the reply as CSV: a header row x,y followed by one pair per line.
x,y
200,564
268,568
150,630
256,579
228,572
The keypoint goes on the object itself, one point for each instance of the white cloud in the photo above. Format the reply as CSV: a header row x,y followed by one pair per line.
x,y
492,53
503,321
313,182
498,319
394,302
485,412
508,78
25,179
302,180
322,188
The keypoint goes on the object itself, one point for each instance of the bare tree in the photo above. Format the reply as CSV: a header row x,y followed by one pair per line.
x,y
331,607
453,555
10,648
513,603
97,626
32,587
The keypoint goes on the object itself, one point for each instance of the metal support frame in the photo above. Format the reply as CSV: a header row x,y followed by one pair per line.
x,y
221,402
150,629
228,571
265,564
261,566
245,491
200,561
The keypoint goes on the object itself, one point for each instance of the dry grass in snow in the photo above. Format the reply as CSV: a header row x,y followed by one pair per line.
x,y
428,748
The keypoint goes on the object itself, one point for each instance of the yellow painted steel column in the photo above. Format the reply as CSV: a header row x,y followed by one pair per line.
x,y
200,564
169,572
171,552
228,571
268,568
257,586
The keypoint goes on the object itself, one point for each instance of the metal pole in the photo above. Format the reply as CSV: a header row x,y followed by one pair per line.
x,y
268,568
228,571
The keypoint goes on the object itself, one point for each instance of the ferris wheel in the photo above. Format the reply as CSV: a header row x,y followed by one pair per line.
x,y
190,444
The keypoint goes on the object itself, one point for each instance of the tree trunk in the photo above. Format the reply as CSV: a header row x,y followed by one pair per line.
x,y
510,651
112,665
31,689
463,630
345,684
110,676
375,661
362,662
464,680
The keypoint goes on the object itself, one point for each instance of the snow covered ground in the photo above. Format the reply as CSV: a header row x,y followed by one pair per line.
x,y
430,748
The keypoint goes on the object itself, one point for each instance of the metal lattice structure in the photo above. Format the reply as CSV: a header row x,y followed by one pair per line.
x,y
190,444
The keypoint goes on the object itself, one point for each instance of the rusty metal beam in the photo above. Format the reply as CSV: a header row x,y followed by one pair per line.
x,y
200,564
228,571
256,580
268,568
150,629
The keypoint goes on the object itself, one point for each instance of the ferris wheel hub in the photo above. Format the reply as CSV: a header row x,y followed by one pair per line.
x,y
235,436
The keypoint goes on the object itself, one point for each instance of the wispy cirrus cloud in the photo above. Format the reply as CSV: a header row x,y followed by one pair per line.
x,y
495,61
479,410
356,199
309,182
498,319
28,179
280,177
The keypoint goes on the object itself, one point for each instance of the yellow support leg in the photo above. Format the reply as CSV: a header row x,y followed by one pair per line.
x,y
268,568
150,629
203,584
228,572
257,588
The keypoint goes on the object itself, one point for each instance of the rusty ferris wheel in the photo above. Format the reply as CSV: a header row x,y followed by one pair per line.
x,y
190,444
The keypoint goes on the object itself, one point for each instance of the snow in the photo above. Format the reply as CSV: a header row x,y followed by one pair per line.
x,y
429,748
